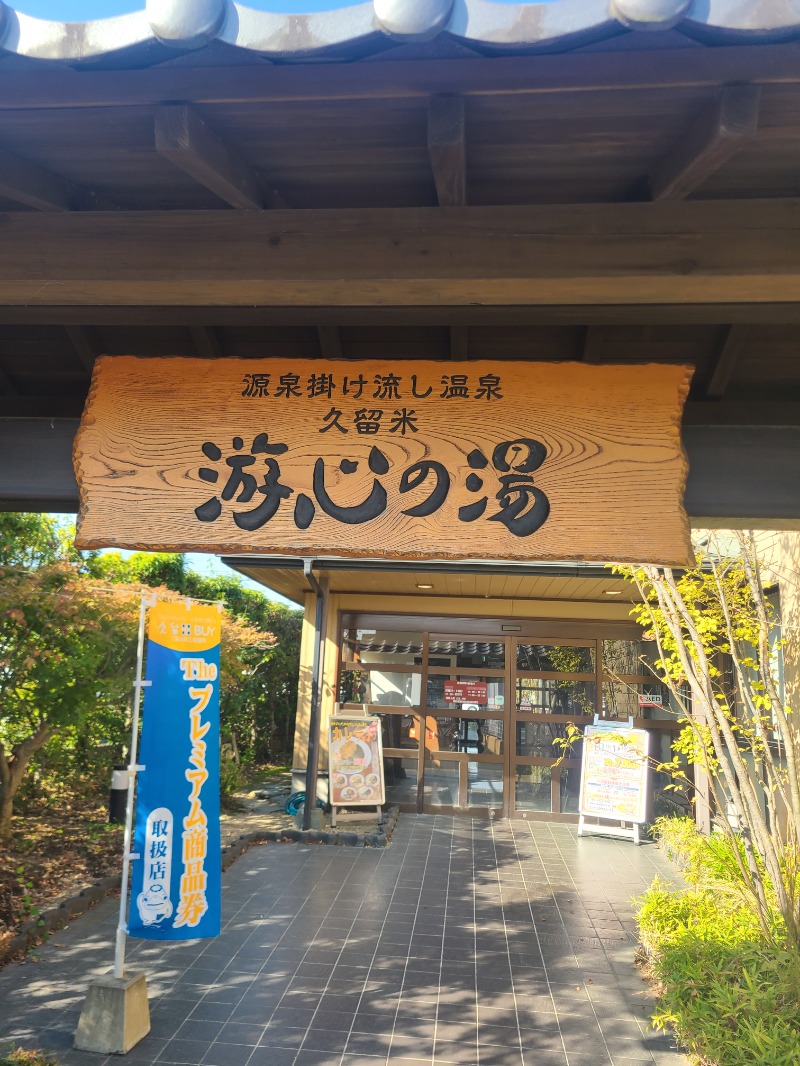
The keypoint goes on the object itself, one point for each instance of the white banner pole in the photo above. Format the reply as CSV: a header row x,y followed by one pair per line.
x,y
139,683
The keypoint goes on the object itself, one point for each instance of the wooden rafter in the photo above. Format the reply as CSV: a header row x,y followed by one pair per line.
x,y
447,149
84,342
206,342
718,132
28,183
184,138
727,355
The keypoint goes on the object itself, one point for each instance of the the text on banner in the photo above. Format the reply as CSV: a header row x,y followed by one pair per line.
x,y
175,892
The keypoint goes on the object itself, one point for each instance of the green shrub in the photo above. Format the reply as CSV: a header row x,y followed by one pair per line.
x,y
730,994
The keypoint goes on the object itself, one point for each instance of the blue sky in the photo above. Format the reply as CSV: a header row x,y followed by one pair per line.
x,y
77,10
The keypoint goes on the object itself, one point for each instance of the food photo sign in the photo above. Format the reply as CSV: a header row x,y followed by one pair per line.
x,y
355,762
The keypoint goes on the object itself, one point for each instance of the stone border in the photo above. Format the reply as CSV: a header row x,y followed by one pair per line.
x,y
379,839
55,918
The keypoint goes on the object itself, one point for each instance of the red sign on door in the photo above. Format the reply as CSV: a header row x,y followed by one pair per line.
x,y
466,692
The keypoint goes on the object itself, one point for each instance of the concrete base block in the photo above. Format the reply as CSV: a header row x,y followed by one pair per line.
x,y
115,1016
316,818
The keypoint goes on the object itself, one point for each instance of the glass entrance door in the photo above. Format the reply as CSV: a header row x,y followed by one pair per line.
x,y
556,682
475,724
465,725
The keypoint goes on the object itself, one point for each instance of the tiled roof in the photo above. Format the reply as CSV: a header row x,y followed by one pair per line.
x,y
352,32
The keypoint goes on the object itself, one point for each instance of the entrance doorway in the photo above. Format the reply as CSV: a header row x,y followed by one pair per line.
x,y
474,723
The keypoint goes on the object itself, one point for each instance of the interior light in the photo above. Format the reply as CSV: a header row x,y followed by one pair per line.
x,y
424,586
612,592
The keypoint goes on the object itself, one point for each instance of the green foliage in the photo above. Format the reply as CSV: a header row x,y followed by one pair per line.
x,y
67,654
28,540
153,569
66,650
718,641
25,885
260,708
731,994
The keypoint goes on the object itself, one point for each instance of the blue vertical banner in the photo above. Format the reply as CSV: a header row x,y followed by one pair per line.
x,y
176,885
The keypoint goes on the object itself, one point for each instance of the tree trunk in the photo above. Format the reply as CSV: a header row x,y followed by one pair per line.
x,y
6,810
13,770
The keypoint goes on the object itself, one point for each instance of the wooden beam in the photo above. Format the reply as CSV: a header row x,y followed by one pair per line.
x,y
28,183
188,142
44,407
512,316
459,342
718,132
38,473
738,476
447,149
676,68
741,413
330,342
85,344
727,355
206,342
742,477
7,385
667,253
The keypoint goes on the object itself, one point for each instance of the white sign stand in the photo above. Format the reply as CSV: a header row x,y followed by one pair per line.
x,y
629,828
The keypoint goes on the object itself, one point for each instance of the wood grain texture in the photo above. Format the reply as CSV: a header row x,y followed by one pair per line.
x,y
614,470
186,140
718,132
59,87
28,183
447,149
669,252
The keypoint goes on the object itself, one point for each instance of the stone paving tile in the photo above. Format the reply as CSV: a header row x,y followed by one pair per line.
x,y
463,942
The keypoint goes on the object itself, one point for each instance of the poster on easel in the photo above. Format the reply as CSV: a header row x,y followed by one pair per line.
x,y
355,756
614,776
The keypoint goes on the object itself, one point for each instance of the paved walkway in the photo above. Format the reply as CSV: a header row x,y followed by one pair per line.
x,y
499,945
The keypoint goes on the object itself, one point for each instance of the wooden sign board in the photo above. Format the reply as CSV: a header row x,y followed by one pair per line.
x,y
403,459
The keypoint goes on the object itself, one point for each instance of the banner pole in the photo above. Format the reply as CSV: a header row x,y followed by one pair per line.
x,y
138,684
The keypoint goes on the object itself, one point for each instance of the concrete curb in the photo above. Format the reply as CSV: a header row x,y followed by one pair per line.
x,y
55,918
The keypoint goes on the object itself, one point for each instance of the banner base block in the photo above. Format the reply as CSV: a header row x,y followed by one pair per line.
x,y
620,830
115,1016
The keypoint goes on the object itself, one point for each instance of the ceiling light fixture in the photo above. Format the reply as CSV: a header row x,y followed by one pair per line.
x,y
612,592
423,586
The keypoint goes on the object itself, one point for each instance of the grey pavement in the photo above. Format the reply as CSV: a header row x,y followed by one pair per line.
x,y
495,944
